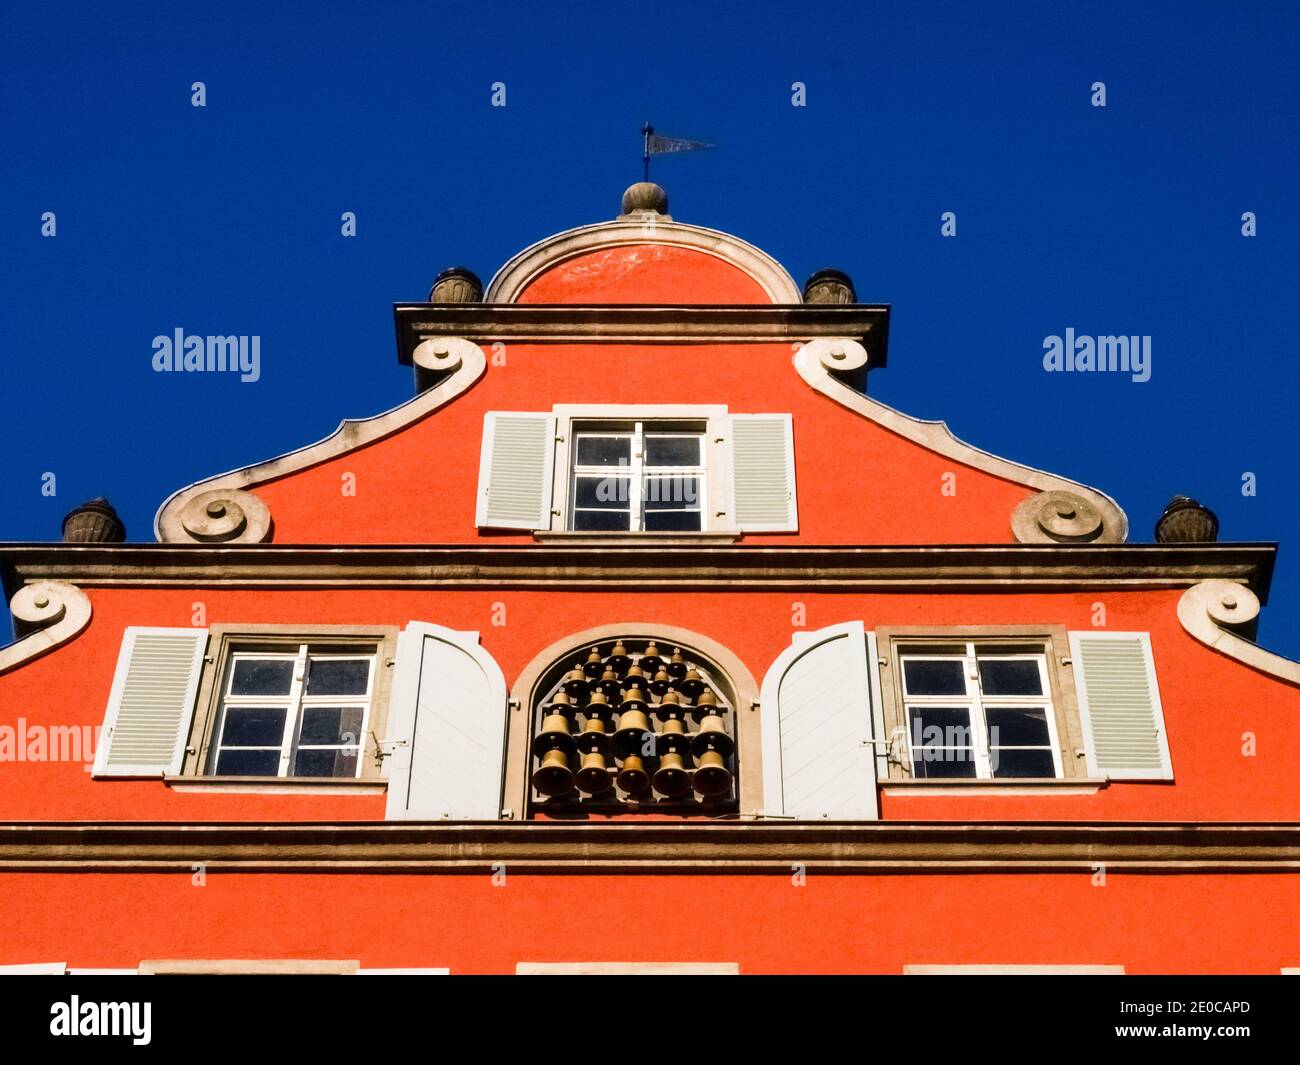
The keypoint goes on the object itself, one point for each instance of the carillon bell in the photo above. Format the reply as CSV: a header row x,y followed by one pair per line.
x,y
633,724
595,665
610,684
575,683
553,745
651,660
594,743
632,776
711,746
671,744
693,684
618,659
635,678
676,665
661,682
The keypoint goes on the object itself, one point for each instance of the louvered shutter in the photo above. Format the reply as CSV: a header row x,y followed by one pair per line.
x,y
763,472
516,470
817,724
151,703
1119,706
446,728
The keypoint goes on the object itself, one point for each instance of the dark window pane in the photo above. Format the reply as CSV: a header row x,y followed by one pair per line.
x,y
604,493
945,676
936,764
262,676
672,450
601,520
330,724
1017,728
247,726
338,676
1014,677
1014,763
248,763
603,451
671,493
946,726
318,763
672,521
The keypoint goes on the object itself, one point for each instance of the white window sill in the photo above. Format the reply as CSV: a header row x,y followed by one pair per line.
x,y
1008,786
279,785
620,538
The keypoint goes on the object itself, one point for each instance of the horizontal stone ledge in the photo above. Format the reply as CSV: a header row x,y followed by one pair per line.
x,y
1023,566
630,847
641,323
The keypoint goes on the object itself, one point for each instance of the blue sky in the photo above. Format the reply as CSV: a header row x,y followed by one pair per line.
x,y
225,219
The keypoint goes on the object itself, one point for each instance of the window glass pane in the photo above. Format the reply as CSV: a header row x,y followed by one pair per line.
x,y
599,492
672,450
1016,676
1017,728
672,521
249,726
1021,763
945,676
338,676
603,450
325,763
938,763
330,725
239,763
262,676
671,492
601,520
941,726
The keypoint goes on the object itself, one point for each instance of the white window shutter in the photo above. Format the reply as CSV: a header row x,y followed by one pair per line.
x,y
762,447
516,469
818,729
446,728
1119,706
151,704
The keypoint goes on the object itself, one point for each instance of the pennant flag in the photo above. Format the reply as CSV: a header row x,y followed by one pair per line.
x,y
657,145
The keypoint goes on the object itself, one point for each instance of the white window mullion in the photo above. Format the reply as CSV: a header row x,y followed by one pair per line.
x,y
296,690
637,488
978,721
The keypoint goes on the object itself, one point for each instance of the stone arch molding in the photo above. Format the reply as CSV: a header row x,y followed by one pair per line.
x,y
520,271
222,509
50,613
1210,610
1063,511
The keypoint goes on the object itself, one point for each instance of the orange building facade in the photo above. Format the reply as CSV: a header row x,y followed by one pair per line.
x,y
642,605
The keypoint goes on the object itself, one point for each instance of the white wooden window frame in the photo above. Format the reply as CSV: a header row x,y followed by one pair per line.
x,y
295,702
977,703
637,472
717,503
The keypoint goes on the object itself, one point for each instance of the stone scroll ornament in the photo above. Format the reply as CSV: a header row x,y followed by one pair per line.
x,y
221,516
1212,609
46,614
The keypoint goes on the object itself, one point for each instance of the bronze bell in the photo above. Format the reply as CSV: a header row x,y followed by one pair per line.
x,y
672,779
676,665
553,776
553,744
618,659
610,684
661,682
651,660
575,683
632,776
713,736
635,678
712,777
595,665
593,777
633,725
693,684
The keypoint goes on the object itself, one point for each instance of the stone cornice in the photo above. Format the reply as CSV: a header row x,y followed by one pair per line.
x,y
652,847
648,323
998,567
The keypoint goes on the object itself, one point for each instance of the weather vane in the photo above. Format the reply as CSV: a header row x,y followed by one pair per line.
x,y
657,145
